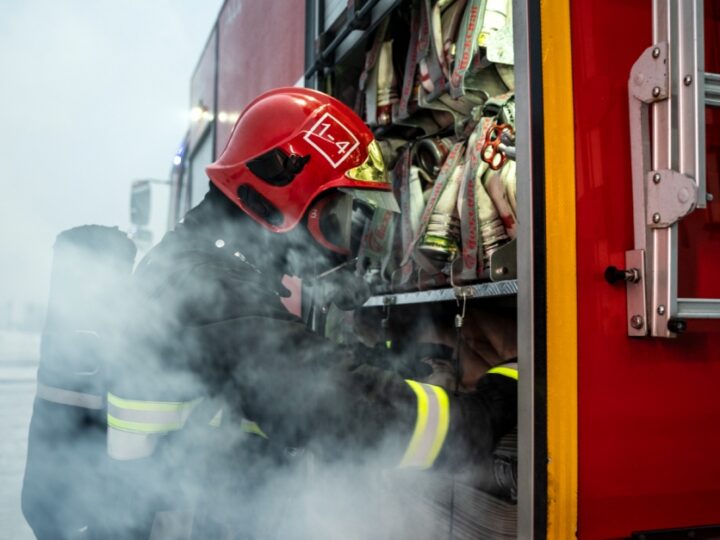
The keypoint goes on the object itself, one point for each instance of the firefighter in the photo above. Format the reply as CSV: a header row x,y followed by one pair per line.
x,y
212,369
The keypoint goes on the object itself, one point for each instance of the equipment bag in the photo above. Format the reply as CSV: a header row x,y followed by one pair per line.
x,y
62,490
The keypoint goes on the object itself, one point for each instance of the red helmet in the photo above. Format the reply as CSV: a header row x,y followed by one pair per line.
x,y
289,146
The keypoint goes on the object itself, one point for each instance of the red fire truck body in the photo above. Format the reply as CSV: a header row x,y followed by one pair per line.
x,y
617,434
251,49
648,409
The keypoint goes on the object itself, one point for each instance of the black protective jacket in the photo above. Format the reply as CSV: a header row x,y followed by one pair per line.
x,y
208,323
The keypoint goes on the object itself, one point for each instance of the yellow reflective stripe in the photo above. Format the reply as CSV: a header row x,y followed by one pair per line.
x,y
420,424
506,371
142,427
138,405
248,426
148,416
431,426
443,423
217,419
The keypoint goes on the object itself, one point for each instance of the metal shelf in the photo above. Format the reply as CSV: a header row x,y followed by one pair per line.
x,y
350,32
480,290
380,10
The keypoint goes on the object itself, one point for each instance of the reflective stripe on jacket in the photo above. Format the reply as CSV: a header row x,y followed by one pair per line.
x,y
431,426
134,426
62,396
509,369
433,419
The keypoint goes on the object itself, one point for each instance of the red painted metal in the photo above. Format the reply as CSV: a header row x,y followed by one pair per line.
x,y
649,409
262,46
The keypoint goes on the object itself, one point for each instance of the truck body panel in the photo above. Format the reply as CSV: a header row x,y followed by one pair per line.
x,y
262,46
649,434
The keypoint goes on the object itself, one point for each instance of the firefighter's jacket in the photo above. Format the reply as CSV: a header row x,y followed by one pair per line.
x,y
212,368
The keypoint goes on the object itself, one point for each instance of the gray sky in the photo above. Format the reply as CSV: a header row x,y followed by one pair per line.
x,y
93,93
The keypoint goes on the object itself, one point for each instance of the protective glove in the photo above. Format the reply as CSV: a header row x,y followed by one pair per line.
x,y
479,420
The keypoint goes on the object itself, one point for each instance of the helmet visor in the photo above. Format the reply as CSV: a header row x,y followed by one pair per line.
x,y
372,169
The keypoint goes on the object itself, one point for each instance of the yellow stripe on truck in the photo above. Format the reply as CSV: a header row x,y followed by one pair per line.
x,y
561,270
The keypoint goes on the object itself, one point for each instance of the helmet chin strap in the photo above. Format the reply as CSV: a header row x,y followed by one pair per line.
x,y
330,275
337,268
340,286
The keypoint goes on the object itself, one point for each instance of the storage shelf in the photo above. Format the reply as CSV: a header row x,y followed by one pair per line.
x,y
381,10
345,38
480,290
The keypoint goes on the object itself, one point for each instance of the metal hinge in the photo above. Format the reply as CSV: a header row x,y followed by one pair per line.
x,y
670,197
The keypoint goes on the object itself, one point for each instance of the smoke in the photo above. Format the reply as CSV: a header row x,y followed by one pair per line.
x,y
86,95
93,95
198,323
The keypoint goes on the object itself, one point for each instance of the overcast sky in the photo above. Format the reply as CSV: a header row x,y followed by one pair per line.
x,y
93,93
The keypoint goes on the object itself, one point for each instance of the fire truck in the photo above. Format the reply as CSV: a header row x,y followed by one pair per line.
x,y
610,272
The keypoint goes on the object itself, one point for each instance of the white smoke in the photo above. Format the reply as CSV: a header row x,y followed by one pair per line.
x,y
93,94
87,91
312,478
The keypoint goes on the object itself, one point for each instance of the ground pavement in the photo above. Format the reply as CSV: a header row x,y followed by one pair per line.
x,y
19,352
